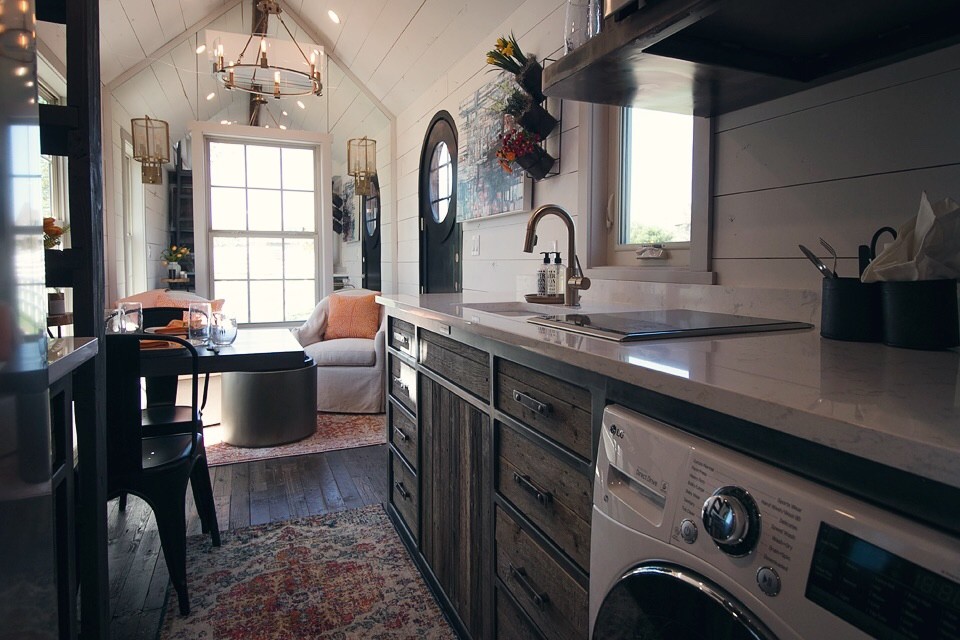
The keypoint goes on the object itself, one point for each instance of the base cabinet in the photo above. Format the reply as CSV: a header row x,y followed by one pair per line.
x,y
491,482
455,540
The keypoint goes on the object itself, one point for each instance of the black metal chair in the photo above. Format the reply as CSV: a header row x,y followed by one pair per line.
x,y
157,467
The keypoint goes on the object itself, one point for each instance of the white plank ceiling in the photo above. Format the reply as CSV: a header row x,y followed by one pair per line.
x,y
390,51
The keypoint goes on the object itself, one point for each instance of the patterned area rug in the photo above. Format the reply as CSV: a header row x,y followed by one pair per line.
x,y
334,431
342,575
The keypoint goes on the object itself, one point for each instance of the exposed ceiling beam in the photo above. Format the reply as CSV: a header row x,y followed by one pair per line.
x,y
171,45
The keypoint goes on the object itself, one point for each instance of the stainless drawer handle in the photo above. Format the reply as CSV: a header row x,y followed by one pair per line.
x,y
401,434
520,575
543,497
402,490
400,383
402,341
531,403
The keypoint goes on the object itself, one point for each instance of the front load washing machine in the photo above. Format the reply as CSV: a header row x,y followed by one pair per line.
x,y
693,540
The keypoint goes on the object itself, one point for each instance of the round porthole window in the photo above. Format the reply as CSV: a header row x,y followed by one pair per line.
x,y
441,181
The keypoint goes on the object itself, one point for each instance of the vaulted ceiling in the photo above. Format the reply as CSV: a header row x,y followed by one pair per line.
x,y
382,55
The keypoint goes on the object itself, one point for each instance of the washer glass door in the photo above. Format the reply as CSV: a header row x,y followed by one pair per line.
x,y
665,602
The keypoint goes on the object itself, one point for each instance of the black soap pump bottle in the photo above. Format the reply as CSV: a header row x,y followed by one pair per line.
x,y
542,273
556,279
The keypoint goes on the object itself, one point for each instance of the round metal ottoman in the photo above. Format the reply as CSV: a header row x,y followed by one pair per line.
x,y
269,408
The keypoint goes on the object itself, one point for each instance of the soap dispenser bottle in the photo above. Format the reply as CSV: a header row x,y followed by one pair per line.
x,y
542,274
556,279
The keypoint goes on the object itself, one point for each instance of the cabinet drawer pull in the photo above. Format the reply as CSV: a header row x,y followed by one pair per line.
x,y
543,497
402,490
401,384
537,597
402,341
401,434
531,403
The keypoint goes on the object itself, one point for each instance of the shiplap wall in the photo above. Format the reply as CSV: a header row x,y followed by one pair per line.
x,y
838,161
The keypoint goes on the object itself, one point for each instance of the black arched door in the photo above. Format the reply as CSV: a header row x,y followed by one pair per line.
x,y
440,234
371,236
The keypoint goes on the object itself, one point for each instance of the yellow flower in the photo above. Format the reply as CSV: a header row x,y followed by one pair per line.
x,y
173,247
502,44
491,60
508,50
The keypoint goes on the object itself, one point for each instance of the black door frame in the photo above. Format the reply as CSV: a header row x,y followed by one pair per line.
x,y
442,128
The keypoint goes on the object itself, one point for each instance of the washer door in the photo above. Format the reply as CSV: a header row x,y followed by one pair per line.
x,y
666,602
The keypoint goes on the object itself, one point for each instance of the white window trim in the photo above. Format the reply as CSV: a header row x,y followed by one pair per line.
x,y
599,132
201,133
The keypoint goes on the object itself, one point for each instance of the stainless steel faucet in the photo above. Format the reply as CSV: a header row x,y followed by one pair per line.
x,y
575,280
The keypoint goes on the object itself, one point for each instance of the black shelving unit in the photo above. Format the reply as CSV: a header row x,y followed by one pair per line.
x,y
180,208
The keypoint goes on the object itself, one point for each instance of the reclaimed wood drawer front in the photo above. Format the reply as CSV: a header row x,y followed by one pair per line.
x,y
547,593
402,337
553,495
461,364
511,624
403,435
403,383
403,494
555,408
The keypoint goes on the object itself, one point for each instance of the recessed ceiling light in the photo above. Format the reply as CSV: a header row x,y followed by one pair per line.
x,y
224,122
301,105
20,71
29,83
284,127
211,95
266,126
285,113
201,49
333,16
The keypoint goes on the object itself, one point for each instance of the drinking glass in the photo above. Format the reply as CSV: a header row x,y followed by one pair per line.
x,y
223,329
129,317
198,323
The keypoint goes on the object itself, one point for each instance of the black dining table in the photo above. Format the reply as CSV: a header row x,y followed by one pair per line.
x,y
253,350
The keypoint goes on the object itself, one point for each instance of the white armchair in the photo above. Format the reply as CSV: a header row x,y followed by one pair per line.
x,y
350,371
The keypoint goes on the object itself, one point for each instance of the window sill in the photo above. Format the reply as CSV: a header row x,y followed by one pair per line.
x,y
652,274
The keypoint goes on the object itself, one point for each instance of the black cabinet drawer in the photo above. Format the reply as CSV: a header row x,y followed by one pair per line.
x,y
403,383
552,598
556,408
403,336
552,494
404,494
403,434
461,364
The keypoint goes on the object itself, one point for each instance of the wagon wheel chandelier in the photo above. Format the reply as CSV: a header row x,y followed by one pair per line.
x,y
289,74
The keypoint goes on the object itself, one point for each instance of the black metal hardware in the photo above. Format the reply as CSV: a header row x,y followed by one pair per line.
x,y
520,575
402,340
402,490
531,403
400,433
543,497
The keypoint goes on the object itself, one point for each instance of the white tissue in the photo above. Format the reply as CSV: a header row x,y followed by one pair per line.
x,y
927,246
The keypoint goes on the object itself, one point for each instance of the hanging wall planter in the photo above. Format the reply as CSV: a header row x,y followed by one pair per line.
x,y
535,119
537,163
530,77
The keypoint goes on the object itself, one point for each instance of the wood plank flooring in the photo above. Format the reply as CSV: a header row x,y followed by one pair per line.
x,y
245,494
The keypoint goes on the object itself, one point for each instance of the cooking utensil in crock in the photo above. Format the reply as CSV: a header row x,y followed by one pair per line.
x,y
817,262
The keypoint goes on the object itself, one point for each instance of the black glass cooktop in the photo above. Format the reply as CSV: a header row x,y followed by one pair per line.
x,y
667,323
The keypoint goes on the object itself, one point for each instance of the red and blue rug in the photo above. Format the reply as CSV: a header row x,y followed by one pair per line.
x,y
341,575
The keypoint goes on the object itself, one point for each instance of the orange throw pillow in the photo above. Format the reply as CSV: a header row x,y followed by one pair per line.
x,y
352,317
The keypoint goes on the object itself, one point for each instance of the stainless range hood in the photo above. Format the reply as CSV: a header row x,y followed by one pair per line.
x,y
708,57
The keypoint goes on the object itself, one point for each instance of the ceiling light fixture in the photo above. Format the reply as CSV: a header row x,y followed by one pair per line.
x,y
285,113
280,68
333,16
301,105
211,95
151,147
201,49
362,163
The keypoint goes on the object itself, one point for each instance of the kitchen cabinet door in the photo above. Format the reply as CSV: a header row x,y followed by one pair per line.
x,y
456,502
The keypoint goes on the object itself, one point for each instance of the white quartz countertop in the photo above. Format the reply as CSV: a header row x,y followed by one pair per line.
x,y
898,407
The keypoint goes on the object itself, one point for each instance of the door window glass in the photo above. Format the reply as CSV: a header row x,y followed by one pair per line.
x,y
441,181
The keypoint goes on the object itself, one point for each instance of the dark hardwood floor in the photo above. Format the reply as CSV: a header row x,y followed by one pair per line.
x,y
245,494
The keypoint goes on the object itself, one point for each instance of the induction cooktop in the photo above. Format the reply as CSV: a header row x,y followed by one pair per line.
x,y
630,326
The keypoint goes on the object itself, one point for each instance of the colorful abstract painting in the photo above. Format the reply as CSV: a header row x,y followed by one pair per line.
x,y
483,187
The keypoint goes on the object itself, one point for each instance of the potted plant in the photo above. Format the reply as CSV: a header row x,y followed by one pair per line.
x,y
172,257
508,56
529,114
53,233
520,146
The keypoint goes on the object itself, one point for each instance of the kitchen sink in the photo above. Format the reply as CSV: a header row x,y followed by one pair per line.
x,y
514,308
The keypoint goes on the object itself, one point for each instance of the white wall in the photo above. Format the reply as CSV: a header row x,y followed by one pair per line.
x,y
837,161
